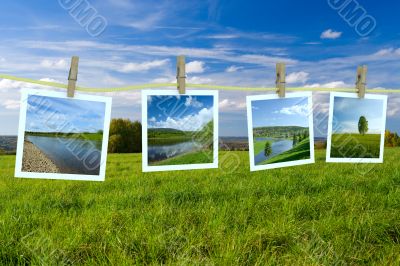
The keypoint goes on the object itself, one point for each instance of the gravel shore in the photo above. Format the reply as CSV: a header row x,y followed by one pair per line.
x,y
34,160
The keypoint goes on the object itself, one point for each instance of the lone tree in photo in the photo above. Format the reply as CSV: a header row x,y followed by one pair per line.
x,y
268,148
362,125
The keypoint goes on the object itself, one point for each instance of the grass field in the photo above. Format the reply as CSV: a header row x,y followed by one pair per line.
x,y
318,214
355,146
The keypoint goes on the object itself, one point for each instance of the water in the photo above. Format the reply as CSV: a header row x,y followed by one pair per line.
x,y
72,156
162,152
278,146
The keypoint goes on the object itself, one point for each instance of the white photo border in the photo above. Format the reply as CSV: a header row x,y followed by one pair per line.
x,y
25,93
145,166
249,100
330,159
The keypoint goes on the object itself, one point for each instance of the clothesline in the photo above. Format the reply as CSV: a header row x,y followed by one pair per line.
x,y
188,85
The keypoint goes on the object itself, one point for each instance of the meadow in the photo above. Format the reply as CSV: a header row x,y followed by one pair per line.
x,y
318,214
355,146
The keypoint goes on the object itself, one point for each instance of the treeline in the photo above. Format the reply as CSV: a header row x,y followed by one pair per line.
x,y
299,137
278,132
125,136
392,139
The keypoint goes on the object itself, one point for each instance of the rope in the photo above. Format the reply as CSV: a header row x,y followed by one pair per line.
x,y
189,85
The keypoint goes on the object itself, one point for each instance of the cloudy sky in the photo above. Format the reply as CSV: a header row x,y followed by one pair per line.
x,y
280,112
50,114
187,113
226,43
347,112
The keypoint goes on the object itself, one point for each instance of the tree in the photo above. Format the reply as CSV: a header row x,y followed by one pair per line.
x,y
125,136
267,148
362,125
294,139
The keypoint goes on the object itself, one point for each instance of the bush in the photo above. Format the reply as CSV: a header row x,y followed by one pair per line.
x,y
125,136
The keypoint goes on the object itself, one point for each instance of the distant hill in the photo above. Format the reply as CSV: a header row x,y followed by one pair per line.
x,y
282,131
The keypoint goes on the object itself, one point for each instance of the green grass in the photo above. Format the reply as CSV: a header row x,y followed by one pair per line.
x,y
355,146
300,152
259,146
197,157
318,214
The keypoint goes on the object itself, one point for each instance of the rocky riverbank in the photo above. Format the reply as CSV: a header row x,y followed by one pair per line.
x,y
34,160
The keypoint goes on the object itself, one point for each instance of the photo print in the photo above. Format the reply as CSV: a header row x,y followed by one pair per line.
x,y
61,137
280,130
180,132
356,129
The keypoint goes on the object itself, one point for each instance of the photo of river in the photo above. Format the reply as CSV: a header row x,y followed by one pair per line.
x,y
281,132
278,146
63,138
71,156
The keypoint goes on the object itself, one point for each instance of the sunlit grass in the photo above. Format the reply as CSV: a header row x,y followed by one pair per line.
x,y
309,215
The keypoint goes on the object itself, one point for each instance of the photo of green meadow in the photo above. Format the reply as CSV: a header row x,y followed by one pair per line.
x,y
182,135
357,128
280,131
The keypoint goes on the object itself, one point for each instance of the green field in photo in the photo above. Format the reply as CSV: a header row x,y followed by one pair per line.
x,y
355,146
317,214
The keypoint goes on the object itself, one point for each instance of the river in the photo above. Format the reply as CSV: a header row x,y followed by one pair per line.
x,y
161,152
72,156
278,146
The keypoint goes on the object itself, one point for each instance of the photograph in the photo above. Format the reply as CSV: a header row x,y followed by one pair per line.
x,y
180,131
356,129
280,130
61,137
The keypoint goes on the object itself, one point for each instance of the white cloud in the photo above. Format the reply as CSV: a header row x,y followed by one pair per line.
x,y
195,67
57,64
198,80
230,105
393,106
192,101
294,110
136,67
232,69
297,77
329,85
330,34
11,104
188,123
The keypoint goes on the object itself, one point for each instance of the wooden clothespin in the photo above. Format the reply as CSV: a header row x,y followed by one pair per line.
x,y
281,79
73,76
361,82
181,74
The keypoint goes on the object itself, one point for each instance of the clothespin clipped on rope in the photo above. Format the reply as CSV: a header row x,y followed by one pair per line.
x,y
73,76
281,79
361,81
181,74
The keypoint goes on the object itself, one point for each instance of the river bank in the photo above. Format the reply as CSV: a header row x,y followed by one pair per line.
x,y
34,160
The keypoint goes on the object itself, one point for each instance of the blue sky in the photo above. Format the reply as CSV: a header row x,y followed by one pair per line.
x,y
187,113
280,112
50,114
226,43
347,112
